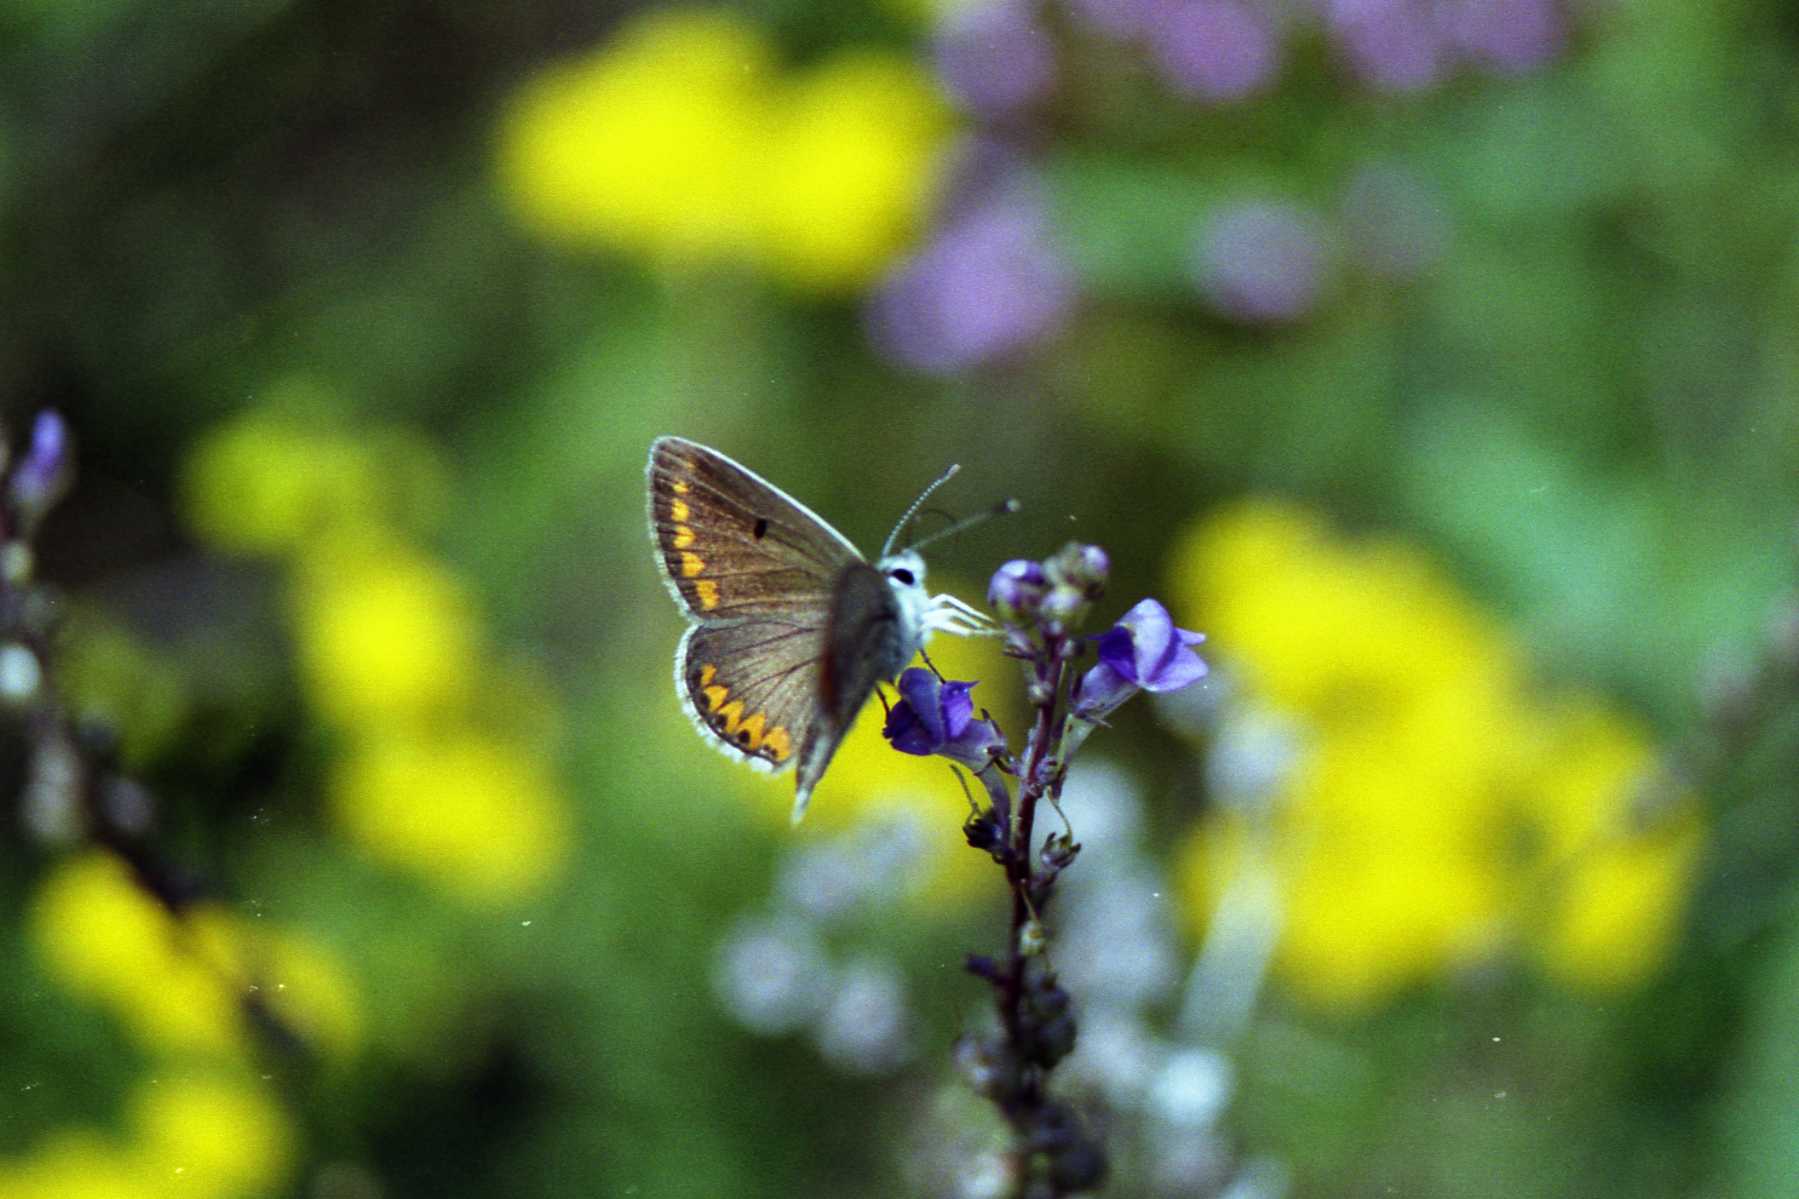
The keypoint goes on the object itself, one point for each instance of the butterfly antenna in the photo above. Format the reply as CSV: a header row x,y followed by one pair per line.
x,y
1003,508
946,476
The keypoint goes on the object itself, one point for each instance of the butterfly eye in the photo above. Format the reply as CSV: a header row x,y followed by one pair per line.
x,y
902,576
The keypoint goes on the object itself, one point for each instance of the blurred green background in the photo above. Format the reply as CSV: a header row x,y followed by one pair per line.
x,y
1436,357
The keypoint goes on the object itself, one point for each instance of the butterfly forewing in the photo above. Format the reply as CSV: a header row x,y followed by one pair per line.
x,y
735,547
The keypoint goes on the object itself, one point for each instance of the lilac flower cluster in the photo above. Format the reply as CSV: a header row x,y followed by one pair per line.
x,y
1408,45
1041,606
1221,51
992,281
1260,262
1271,262
1210,51
995,58
989,283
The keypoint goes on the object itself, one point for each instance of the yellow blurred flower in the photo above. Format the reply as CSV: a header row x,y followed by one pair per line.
x,y
284,473
1395,834
77,1164
178,985
478,816
299,982
209,1136
681,142
385,636
214,1136
443,772
650,144
1337,632
103,938
1615,884
852,169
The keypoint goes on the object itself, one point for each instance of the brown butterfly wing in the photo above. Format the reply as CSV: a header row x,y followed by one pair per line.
x,y
734,547
751,687
768,690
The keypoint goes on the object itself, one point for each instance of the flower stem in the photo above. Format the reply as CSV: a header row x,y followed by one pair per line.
x,y
1026,1098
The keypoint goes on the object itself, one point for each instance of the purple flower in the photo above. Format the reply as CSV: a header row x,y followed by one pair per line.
x,y
42,475
1143,651
1213,50
1081,566
1017,588
1394,45
1509,36
1261,262
995,58
990,283
936,717
1405,45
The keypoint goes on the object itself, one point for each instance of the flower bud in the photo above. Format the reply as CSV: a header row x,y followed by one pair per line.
x,y
1059,851
982,966
1032,938
1047,996
1065,605
1092,567
1054,1040
1079,1167
1082,567
1017,588
980,1067
985,831
42,475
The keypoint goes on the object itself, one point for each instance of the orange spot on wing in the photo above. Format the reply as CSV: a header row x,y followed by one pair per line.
x,y
749,733
730,715
715,696
777,744
708,672
677,509
708,593
691,564
680,488
683,537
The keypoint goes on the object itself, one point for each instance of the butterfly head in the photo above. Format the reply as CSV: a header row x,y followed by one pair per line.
x,y
922,613
904,572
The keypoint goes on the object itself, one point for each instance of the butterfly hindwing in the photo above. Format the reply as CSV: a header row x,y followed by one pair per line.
x,y
751,687
735,547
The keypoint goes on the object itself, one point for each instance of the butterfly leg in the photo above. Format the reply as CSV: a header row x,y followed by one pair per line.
x,y
951,615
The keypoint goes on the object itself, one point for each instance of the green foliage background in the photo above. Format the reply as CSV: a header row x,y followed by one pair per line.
x,y
1586,409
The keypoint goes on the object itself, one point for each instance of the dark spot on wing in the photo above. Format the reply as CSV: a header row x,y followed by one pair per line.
x,y
761,527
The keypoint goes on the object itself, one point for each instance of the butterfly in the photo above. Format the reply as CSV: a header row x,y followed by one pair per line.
x,y
790,627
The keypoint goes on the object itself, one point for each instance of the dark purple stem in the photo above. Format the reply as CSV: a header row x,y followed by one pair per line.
x,y
1026,1098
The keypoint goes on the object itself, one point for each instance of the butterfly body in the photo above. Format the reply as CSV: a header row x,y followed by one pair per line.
x,y
791,627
